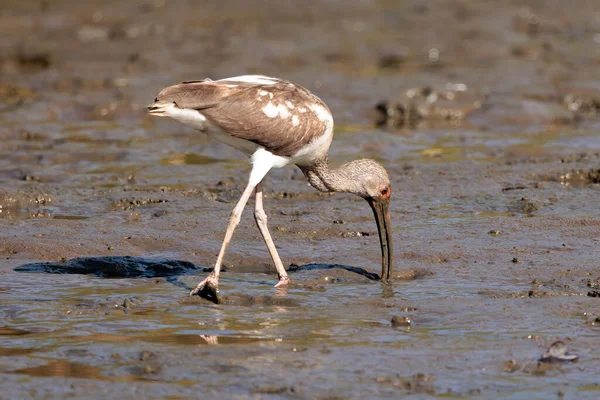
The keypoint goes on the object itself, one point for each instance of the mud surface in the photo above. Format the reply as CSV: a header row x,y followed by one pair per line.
x,y
486,114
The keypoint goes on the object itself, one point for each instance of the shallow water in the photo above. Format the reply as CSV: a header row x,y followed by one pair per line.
x,y
495,214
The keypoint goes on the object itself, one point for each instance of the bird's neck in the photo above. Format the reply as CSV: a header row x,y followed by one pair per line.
x,y
326,179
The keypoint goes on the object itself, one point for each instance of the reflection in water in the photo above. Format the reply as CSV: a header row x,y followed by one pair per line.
x,y
63,369
210,339
14,351
13,331
387,290
195,339
188,159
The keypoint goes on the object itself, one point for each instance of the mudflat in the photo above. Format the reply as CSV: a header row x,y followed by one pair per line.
x,y
486,115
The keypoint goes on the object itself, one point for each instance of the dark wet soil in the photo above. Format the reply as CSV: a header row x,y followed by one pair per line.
x,y
485,113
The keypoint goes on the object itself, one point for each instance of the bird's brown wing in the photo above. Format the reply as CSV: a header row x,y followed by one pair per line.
x,y
282,117
195,95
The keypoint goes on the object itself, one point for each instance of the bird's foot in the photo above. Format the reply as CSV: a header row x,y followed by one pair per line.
x,y
208,289
284,281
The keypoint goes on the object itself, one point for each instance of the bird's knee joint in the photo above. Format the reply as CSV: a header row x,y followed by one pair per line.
x,y
235,217
260,216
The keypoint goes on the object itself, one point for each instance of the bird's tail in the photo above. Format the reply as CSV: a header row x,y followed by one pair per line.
x,y
157,108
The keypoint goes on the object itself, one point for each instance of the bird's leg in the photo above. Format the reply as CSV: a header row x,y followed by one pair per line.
x,y
261,220
211,283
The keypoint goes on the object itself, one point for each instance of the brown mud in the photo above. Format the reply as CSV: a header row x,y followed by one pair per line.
x,y
496,220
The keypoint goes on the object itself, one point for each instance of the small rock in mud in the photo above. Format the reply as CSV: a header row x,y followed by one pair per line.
x,y
401,321
593,293
159,213
510,366
557,352
494,232
390,61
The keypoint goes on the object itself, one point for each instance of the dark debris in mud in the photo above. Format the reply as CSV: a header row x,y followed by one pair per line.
x,y
399,274
113,267
426,103
525,205
582,105
275,390
575,178
315,266
401,321
131,203
511,366
580,177
419,383
22,199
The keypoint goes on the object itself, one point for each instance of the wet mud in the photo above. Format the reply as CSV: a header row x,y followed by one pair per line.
x,y
486,115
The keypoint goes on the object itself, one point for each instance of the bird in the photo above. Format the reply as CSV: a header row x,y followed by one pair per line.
x,y
276,123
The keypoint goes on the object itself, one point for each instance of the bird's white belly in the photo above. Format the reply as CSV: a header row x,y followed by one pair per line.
x,y
315,150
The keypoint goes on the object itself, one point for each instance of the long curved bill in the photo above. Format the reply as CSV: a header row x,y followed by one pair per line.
x,y
380,207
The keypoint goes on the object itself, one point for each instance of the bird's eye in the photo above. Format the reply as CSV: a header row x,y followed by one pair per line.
x,y
384,191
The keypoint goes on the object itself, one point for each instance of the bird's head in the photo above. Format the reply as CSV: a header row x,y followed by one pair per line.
x,y
371,182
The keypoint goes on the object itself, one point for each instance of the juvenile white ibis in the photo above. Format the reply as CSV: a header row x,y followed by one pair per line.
x,y
276,123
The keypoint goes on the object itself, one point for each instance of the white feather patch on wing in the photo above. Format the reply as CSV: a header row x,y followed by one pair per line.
x,y
259,79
